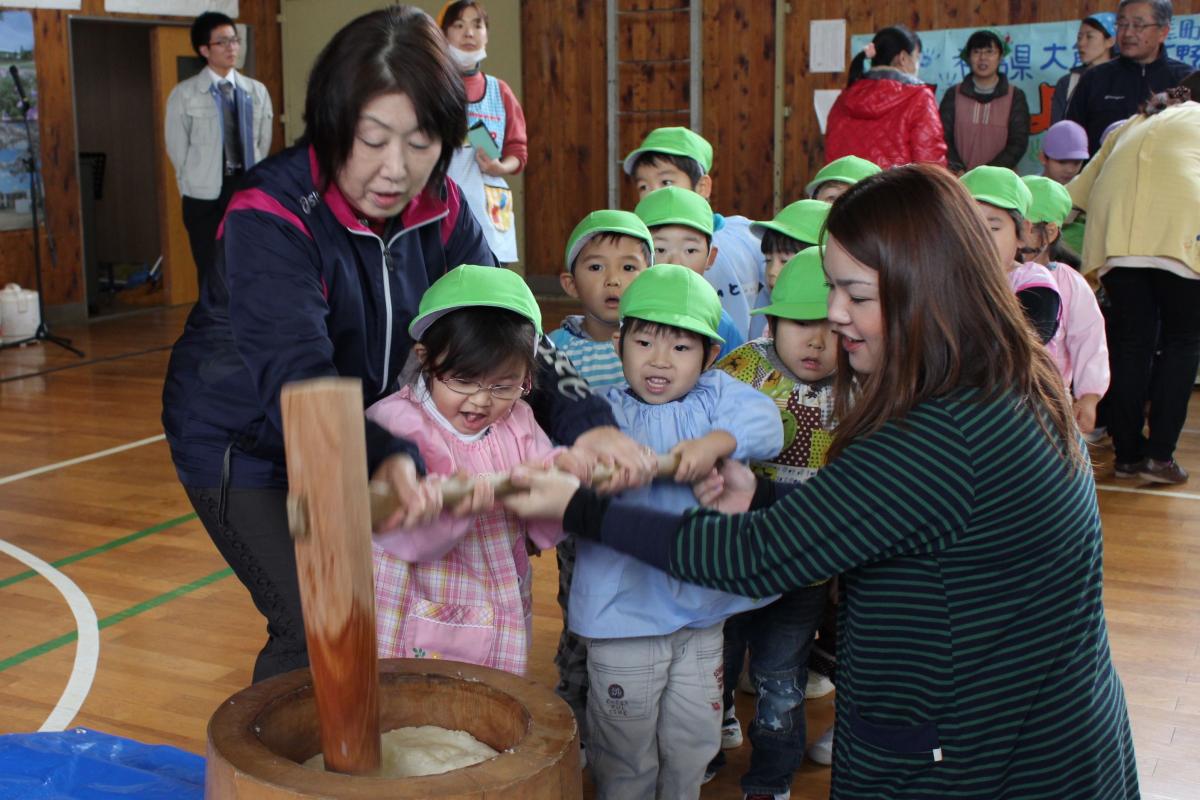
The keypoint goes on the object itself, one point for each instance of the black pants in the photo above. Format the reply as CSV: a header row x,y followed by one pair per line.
x,y
1143,301
202,218
254,539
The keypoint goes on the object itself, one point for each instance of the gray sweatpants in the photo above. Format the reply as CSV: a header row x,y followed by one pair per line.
x,y
654,713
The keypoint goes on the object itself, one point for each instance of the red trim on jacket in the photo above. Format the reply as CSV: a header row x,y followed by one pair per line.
x,y
258,200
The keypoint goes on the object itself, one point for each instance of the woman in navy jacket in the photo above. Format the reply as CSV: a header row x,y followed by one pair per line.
x,y
322,260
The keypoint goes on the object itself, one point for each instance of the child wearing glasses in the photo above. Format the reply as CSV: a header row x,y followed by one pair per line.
x,y
459,588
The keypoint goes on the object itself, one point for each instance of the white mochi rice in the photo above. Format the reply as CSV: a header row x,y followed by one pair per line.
x,y
423,750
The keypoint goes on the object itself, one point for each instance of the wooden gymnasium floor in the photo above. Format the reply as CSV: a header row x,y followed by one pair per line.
x,y
86,484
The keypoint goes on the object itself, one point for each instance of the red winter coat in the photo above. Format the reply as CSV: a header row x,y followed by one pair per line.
x,y
887,121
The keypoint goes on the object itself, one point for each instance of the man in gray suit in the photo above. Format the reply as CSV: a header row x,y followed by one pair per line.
x,y
218,126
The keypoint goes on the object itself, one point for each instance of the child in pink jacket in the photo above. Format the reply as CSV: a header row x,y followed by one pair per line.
x,y
1082,351
460,587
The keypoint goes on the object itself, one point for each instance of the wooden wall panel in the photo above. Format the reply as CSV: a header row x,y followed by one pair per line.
x,y
651,5
654,86
657,35
563,70
64,283
803,150
739,104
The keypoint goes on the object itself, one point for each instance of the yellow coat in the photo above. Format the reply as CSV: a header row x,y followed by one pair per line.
x,y
1141,192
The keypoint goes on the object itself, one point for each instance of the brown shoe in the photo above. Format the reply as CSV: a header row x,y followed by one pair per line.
x,y
1163,472
1128,469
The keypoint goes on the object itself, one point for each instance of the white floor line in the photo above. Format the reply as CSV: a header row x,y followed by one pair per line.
x,y
1155,492
87,646
73,461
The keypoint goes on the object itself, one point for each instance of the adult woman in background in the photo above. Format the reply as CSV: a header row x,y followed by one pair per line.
x,y
322,260
885,114
958,506
492,104
1096,44
1141,192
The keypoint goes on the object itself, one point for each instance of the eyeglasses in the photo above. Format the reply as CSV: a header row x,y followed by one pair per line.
x,y
502,391
1137,27
228,41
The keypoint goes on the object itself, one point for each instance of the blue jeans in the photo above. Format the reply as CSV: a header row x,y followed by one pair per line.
x,y
780,637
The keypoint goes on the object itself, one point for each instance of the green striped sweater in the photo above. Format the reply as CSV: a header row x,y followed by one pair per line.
x,y
973,656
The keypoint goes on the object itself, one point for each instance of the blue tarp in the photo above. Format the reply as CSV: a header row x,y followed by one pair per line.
x,y
82,764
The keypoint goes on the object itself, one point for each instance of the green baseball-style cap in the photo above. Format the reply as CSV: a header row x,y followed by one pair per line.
x,y
801,292
1003,40
623,223
674,142
1000,187
673,295
470,286
1051,200
847,169
673,205
801,220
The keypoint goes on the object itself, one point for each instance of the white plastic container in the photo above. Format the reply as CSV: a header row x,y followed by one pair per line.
x,y
18,313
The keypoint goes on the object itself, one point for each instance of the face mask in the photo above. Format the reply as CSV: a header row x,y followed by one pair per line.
x,y
467,61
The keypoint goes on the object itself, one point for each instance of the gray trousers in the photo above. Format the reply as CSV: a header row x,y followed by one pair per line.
x,y
654,713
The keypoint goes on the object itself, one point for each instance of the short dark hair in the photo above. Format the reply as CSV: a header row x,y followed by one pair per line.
x,y
632,325
1162,10
983,40
452,12
776,242
398,49
610,237
204,25
688,166
473,341
707,237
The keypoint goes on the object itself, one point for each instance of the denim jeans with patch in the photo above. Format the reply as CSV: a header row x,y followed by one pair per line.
x,y
780,637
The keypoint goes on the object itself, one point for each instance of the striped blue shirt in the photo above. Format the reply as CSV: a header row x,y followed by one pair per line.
x,y
596,361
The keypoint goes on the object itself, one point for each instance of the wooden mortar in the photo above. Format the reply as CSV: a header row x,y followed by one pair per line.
x,y
257,737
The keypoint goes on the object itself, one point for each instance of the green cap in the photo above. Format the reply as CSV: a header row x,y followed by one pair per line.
x,y
1003,39
1000,187
623,223
847,169
801,291
1051,200
802,221
673,295
470,286
673,205
674,142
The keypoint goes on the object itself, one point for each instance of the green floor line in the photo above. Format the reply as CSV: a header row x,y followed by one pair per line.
x,y
113,619
115,543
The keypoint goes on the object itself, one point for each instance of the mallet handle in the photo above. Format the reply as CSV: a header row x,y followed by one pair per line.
x,y
384,502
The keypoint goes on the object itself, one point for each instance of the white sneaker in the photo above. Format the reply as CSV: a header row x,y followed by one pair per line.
x,y
731,734
777,796
818,685
821,750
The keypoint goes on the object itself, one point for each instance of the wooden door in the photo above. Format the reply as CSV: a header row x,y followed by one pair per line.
x,y
169,44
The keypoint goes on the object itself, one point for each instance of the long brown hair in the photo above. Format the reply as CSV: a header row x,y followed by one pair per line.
x,y
951,320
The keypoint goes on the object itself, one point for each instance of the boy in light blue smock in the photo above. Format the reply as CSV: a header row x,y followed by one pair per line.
x,y
655,643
